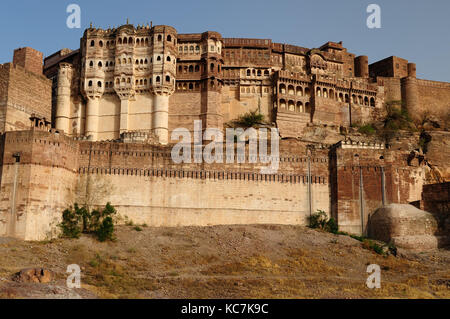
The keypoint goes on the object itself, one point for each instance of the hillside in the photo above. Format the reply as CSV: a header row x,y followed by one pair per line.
x,y
222,262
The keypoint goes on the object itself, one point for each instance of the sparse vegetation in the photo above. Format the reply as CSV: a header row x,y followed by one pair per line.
x,y
320,220
249,119
78,220
367,129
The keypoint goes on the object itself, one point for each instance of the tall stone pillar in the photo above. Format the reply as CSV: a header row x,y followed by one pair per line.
x,y
160,117
65,74
410,92
124,105
92,117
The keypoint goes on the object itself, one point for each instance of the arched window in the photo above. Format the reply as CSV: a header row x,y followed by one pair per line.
x,y
191,69
307,92
291,90
142,61
212,67
282,104
197,68
325,93
128,80
124,61
307,107
259,72
141,82
117,81
145,61
319,92
354,100
249,73
291,106
168,59
120,41
145,82
197,49
130,40
191,86
169,38
372,102
299,91
158,79
137,62
138,42
92,43
191,49
100,64
125,41
107,63
159,37
91,64
167,79
299,107
158,58
266,73
90,83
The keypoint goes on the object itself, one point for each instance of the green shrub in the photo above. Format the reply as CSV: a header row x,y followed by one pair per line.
x,y
367,129
320,220
79,220
70,225
137,228
250,119
106,230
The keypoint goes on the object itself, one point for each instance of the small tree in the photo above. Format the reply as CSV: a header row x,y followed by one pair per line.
x,y
80,220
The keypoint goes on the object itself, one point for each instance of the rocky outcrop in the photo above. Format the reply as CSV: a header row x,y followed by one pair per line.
x,y
34,275
405,226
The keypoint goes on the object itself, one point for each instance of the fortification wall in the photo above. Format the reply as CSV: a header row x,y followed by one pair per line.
x,y
27,94
434,99
150,188
38,182
365,178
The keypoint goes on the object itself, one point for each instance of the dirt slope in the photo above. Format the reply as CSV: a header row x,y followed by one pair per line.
x,y
222,262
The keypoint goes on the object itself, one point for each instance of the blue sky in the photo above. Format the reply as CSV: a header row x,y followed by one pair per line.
x,y
416,30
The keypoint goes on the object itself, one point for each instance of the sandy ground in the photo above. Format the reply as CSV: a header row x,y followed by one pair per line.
x,y
222,262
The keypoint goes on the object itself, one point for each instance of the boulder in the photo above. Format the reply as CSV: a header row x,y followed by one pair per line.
x,y
405,226
34,275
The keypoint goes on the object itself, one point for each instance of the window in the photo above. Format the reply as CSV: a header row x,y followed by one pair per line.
x,y
158,79
168,59
169,38
90,84
159,37
168,79
92,43
100,44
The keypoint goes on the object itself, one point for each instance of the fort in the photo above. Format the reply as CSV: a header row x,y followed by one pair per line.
x,y
104,113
